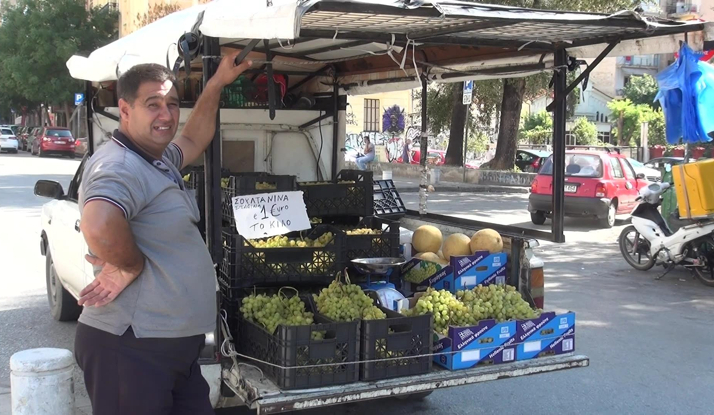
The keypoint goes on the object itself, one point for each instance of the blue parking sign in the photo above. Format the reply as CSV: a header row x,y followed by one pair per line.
x,y
78,99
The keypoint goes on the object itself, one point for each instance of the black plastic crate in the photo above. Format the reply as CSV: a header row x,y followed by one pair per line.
x,y
246,266
292,346
197,184
397,336
383,245
340,199
387,202
247,93
240,184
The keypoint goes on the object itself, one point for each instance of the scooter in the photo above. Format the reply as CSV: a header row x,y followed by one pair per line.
x,y
649,241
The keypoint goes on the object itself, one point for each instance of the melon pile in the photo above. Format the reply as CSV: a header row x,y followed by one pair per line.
x,y
431,246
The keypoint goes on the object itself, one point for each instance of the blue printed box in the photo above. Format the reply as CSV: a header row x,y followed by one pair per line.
x,y
548,335
463,272
488,342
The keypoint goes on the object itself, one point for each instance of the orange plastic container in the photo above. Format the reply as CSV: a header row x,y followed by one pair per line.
x,y
694,184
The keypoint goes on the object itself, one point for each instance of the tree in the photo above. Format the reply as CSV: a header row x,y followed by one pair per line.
x,y
656,134
537,128
455,150
37,38
155,13
584,131
629,120
642,90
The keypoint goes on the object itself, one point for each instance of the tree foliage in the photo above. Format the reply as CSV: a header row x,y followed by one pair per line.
x,y
642,90
584,131
37,38
630,116
537,128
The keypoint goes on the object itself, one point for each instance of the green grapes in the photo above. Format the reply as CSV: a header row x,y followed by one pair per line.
x,y
282,241
468,307
275,310
346,302
422,271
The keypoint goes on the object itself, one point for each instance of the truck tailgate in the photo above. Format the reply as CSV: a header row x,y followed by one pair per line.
x,y
265,397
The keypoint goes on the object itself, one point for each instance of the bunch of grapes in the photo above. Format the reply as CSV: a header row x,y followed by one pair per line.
x,y
282,241
275,310
187,177
422,271
446,308
225,182
265,186
497,302
364,231
315,221
346,302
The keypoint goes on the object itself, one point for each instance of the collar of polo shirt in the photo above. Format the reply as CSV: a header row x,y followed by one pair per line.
x,y
125,142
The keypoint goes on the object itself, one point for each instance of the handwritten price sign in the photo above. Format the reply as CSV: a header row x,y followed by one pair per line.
x,y
270,214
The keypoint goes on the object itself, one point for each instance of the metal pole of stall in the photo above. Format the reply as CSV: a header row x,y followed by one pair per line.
x,y
212,160
423,148
90,113
335,128
559,115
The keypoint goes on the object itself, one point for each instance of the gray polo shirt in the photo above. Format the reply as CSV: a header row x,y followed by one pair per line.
x,y
175,295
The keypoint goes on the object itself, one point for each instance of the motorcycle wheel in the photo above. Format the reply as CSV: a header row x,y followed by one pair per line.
x,y
704,249
634,255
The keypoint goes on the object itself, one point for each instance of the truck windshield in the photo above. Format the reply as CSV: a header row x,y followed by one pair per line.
x,y
577,165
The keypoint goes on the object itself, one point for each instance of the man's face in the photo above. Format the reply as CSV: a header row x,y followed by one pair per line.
x,y
153,119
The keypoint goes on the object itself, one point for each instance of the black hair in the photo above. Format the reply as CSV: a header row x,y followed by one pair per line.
x,y
129,83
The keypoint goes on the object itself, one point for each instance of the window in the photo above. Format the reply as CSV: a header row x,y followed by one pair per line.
x,y
371,115
577,165
6,131
627,165
59,133
628,78
616,169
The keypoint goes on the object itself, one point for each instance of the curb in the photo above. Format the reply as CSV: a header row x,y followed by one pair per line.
x,y
467,189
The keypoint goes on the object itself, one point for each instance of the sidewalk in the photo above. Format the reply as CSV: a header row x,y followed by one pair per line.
x,y
408,185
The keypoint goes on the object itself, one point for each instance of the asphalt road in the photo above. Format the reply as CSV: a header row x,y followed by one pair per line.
x,y
647,339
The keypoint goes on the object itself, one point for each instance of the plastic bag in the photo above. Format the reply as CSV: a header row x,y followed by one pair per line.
x,y
686,93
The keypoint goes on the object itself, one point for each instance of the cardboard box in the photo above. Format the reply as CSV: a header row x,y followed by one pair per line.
x,y
548,335
488,342
462,273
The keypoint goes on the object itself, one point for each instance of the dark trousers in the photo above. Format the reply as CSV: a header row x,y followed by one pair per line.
x,y
129,376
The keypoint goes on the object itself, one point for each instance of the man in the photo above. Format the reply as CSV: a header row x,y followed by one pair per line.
x,y
406,154
154,293
368,155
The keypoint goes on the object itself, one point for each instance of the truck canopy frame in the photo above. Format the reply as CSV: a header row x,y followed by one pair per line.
x,y
364,46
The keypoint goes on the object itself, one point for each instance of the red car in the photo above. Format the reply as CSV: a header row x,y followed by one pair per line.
x,y
54,140
436,157
597,185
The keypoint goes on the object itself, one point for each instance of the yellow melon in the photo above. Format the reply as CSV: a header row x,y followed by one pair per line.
x,y
456,245
486,240
427,238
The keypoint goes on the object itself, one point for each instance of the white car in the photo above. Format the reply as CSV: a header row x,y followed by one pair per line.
x,y
652,175
8,141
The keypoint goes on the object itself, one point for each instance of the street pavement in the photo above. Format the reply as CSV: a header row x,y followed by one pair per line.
x,y
647,339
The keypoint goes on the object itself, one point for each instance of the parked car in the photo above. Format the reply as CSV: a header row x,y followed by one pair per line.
x,y
597,185
436,157
53,140
31,135
80,146
651,174
529,161
8,140
660,162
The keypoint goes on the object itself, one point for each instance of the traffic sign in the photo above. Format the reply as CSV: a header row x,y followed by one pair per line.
x,y
468,92
78,99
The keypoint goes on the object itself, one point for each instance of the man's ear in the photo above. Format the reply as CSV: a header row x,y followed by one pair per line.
x,y
124,109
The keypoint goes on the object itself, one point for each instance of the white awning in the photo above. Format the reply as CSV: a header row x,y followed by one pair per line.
x,y
309,34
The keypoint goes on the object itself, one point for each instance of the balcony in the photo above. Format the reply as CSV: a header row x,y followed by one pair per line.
x,y
645,61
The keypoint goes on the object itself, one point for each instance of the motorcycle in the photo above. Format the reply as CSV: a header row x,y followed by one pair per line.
x,y
649,241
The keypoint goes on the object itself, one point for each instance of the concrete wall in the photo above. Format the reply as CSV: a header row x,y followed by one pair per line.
x,y
386,99
456,174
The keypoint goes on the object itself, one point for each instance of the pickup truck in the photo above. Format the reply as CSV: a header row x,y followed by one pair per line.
x,y
234,384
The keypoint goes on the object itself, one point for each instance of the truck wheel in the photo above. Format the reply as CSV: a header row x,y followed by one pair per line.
x,y
538,217
414,397
62,305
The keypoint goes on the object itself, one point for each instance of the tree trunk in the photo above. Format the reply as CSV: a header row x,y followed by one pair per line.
x,y
67,114
455,151
513,91
620,129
